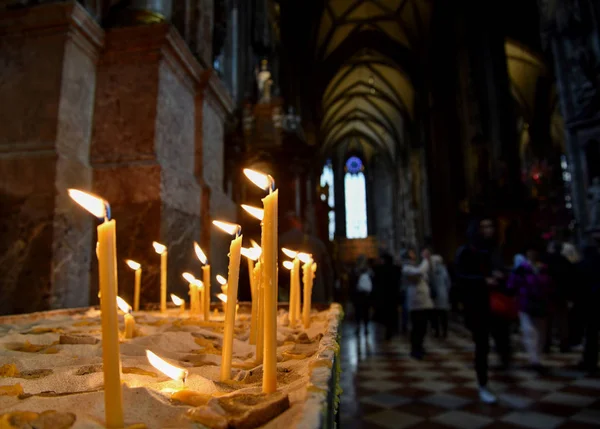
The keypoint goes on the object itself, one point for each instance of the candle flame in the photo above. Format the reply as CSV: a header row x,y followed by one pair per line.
x,y
288,265
189,277
93,204
198,283
304,257
229,228
289,253
251,253
200,254
159,248
222,280
176,300
123,306
133,265
259,179
254,211
166,368
222,297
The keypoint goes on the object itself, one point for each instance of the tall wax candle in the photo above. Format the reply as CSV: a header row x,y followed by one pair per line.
x,y
306,277
232,289
252,254
138,280
107,274
205,309
260,312
269,281
161,249
296,288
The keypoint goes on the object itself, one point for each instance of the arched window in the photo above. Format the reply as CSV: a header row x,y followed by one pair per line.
x,y
355,188
327,180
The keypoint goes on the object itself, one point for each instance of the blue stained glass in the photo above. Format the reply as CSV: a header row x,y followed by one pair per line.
x,y
356,205
354,165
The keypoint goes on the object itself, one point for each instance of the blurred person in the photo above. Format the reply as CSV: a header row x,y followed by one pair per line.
x,y
386,282
440,281
533,286
588,270
419,299
363,288
478,268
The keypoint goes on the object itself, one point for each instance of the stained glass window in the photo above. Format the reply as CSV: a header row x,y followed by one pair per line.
x,y
356,199
327,179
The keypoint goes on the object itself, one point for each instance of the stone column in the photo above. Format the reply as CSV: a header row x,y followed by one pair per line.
x,y
144,151
216,104
47,78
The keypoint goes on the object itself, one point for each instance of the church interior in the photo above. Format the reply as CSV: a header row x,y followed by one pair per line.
x,y
386,125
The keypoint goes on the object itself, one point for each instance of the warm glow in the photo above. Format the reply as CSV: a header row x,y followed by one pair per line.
x,y
176,300
159,248
314,267
289,253
259,179
198,283
288,264
222,297
304,257
132,264
166,368
200,254
222,280
229,228
251,253
123,306
254,211
189,277
93,204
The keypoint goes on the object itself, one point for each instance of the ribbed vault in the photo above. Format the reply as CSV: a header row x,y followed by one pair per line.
x,y
370,98
525,68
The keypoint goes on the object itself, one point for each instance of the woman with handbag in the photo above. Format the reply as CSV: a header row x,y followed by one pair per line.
x,y
532,284
478,268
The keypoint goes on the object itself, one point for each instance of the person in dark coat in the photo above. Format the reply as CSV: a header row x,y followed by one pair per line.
x,y
387,283
589,279
479,268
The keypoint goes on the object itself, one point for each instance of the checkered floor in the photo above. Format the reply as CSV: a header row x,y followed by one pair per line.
x,y
384,388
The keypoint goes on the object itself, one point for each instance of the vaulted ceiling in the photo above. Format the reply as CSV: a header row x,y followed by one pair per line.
x,y
525,68
369,100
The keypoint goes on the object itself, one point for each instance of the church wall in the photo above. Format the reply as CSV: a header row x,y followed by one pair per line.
x,y
47,89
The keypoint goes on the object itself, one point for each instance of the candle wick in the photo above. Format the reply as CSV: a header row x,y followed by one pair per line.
x,y
106,211
271,184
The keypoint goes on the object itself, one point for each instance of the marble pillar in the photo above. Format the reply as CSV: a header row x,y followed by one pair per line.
x,y
144,152
47,79
216,104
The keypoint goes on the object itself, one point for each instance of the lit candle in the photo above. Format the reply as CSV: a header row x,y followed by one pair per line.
x,y
200,297
232,289
223,282
294,305
107,273
289,265
206,280
166,368
307,280
178,302
161,249
252,255
223,298
138,280
193,292
269,276
128,318
260,310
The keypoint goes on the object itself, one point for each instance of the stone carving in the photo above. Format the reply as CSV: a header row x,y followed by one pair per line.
x,y
570,21
264,82
594,203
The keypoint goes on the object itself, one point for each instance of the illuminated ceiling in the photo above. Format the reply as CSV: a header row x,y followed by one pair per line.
x,y
369,96
525,68
368,101
404,21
